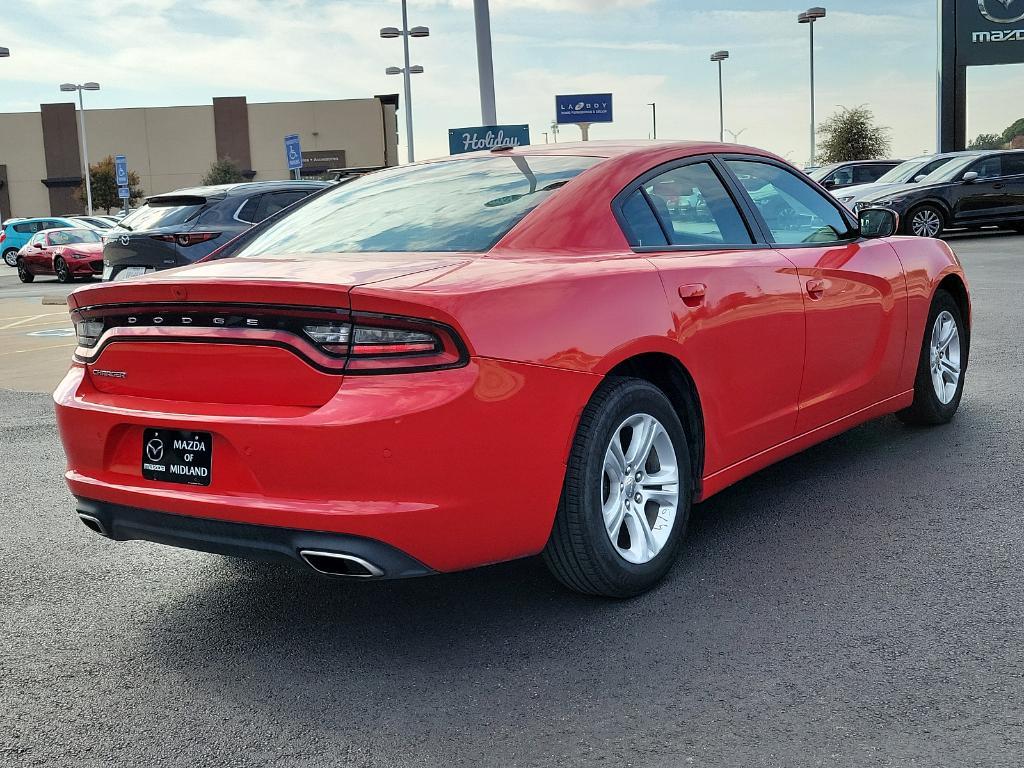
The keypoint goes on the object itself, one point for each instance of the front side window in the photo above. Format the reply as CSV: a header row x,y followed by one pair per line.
x,y
457,205
794,211
72,236
989,168
843,177
695,208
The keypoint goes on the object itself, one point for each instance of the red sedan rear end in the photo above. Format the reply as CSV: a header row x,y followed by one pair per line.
x,y
467,361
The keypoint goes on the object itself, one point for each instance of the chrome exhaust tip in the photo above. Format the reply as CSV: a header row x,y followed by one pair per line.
x,y
337,564
93,524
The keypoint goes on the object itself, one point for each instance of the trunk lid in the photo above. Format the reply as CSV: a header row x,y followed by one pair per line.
x,y
231,331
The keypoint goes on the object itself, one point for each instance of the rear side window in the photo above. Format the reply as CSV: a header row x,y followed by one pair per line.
x,y
642,228
695,208
28,227
794,211
158,214
272,202
247,212
1013,165
458,205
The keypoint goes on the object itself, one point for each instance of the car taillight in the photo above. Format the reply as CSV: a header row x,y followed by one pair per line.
x,y
380,344
89,332
3,235
187,238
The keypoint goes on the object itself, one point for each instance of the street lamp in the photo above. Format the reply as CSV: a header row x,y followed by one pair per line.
x,y
405,33
71,88
654,119
808,17
720,56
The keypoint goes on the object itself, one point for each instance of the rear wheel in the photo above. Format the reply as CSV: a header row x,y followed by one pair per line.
x,y
11,257
626,499
63,272
925,221
939,384
23,274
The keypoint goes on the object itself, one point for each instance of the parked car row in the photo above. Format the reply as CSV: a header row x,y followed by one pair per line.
x,y
16,232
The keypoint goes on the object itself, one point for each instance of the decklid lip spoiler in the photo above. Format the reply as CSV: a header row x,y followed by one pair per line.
x,y
296,279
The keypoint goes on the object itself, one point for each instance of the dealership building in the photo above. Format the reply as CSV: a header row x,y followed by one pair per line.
x,y
173,147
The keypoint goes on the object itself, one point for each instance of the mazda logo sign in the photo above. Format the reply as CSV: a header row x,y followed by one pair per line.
x,y
155,449
124,239
1002,11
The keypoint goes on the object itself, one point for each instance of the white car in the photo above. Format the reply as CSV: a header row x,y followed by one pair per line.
x,y
908,172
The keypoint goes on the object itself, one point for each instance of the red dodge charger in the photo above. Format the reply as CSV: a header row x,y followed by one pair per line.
x,y
551,350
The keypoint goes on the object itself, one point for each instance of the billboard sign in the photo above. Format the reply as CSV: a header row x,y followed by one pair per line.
x,y
989,32
487,137
583,108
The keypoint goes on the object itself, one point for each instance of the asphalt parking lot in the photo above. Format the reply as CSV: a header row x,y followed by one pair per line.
x,y
856,605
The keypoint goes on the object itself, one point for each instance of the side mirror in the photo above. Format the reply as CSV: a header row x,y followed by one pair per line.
x,y
37,245
917,179
970,177
878,222
828,184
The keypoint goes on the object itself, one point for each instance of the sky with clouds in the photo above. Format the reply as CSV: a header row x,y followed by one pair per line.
x,y
167,52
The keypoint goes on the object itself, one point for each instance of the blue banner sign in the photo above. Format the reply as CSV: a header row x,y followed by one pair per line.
x,y
584,108
487,137
121,170
292,151
122,193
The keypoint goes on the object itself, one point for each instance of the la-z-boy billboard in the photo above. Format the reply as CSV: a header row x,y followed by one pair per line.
x,y
584,108
989,32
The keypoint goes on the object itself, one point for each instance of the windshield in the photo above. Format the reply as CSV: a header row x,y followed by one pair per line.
x,y
69,236
153,215
820,173
459,205
905,171
950,170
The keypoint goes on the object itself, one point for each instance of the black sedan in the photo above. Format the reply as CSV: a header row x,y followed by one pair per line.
x,y
972,191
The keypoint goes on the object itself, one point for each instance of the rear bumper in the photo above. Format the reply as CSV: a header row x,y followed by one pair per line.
x,y
455,468
255,542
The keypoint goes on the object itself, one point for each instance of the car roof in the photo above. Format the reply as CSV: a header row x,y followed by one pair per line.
x,y
241,188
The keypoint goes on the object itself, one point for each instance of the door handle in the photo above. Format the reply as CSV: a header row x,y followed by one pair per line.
x,y
997,186
815,288
693,294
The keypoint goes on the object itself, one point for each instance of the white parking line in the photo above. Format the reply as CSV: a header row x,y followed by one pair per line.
x,y
37,349
27,319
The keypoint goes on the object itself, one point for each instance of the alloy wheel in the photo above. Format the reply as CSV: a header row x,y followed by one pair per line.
x,y
11,257
63,273
639,488
944,358
926,223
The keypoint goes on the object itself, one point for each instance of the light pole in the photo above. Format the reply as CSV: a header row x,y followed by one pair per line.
x,y
405,33
485,61
808,17
71,88
720,56
654,119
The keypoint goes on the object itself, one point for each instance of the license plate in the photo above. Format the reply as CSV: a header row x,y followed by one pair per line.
x,y
129,272
175,456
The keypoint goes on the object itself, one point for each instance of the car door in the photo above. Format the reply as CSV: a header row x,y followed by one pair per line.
x,y
32,253
854,293
736,307
1010,187
45,255
981,198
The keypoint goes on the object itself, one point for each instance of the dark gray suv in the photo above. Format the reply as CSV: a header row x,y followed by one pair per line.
x,y
183,226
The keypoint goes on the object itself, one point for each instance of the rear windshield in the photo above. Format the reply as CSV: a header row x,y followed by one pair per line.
x,y
460,205
157,214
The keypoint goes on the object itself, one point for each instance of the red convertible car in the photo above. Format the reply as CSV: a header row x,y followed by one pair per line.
x,y
550,350
67,253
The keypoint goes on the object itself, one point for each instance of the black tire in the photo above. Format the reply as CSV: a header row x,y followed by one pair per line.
x,y
927,409
23,274
579,552
929,212
60,268
11,257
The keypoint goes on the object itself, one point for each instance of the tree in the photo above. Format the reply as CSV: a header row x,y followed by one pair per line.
x,y
223,171
987,141
1015,130
103,179
851,134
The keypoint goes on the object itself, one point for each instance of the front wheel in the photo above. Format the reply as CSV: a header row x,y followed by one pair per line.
x,y
939,384
11,257
626,499
23,274
925,221
63,272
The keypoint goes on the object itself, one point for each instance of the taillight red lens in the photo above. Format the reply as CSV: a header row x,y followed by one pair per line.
x,y
3,235
186,239
380,344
